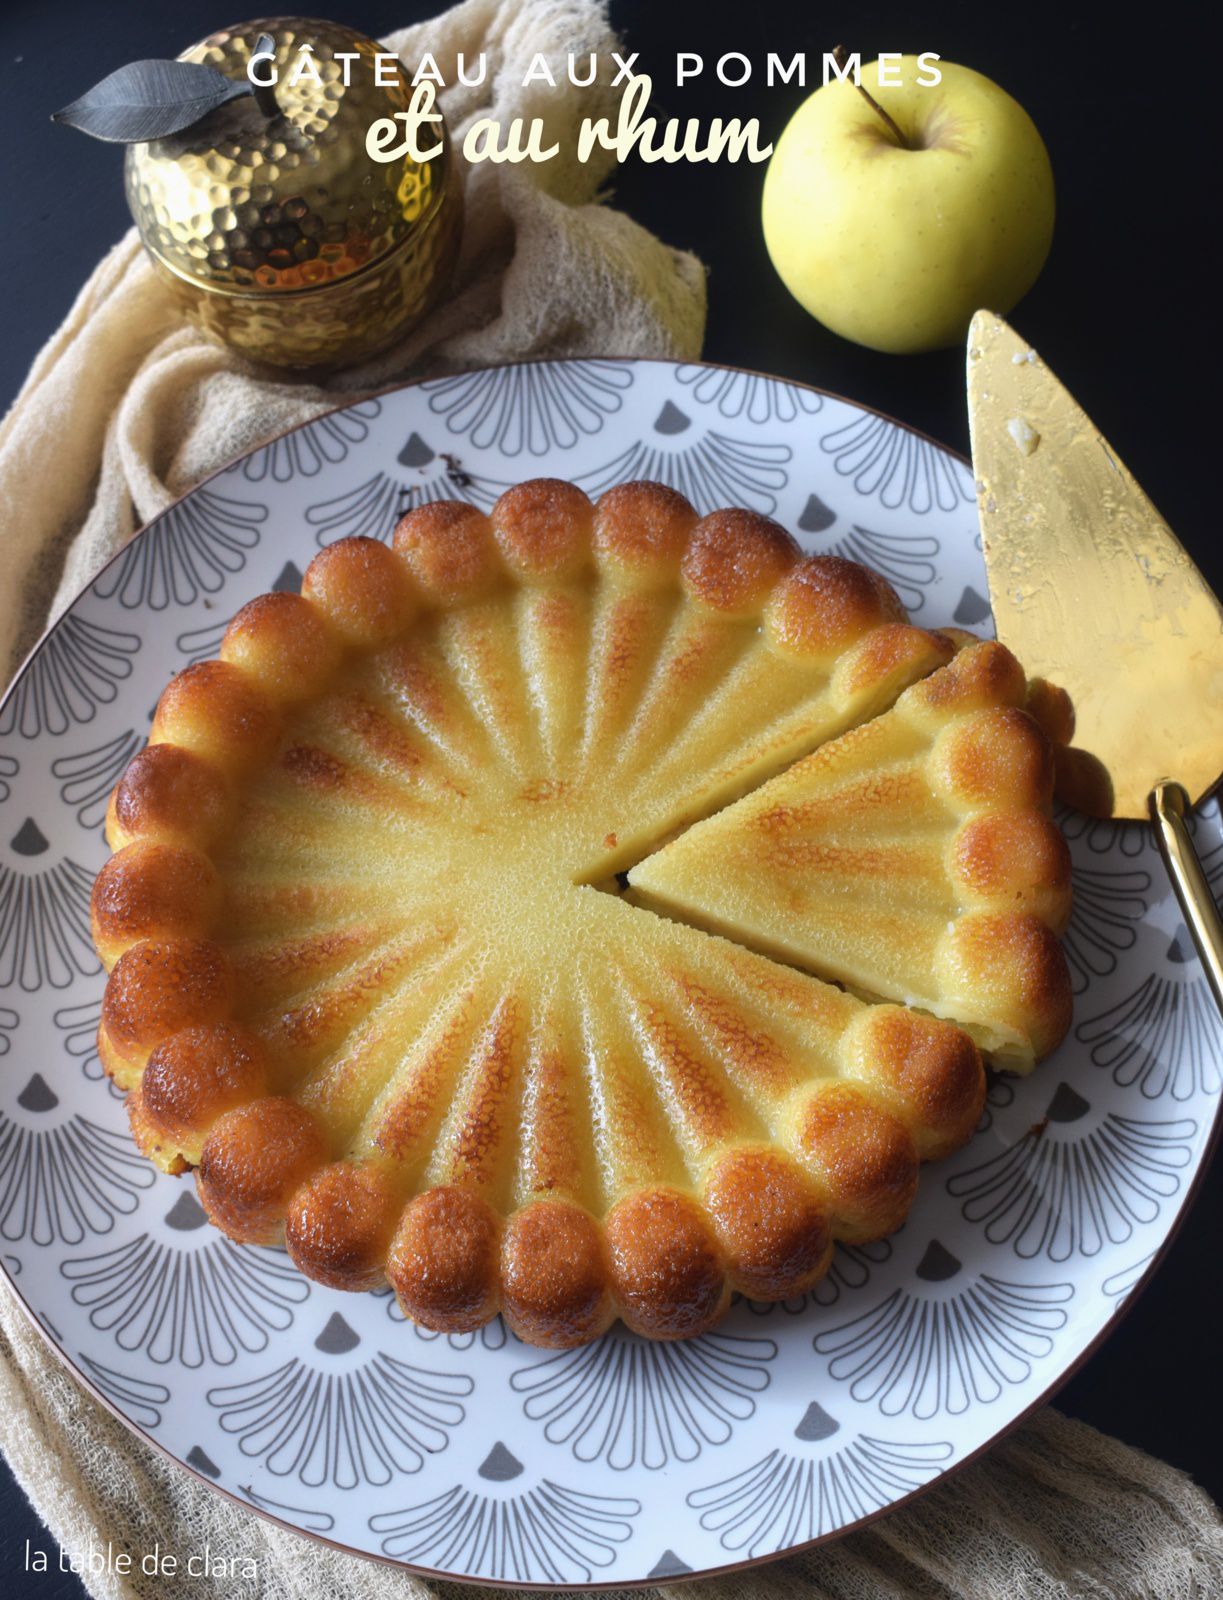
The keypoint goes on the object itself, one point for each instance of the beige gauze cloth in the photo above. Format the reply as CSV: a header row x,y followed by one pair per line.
x,y
123,411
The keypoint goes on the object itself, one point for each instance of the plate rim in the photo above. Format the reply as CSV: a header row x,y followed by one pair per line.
x,y
1189,1199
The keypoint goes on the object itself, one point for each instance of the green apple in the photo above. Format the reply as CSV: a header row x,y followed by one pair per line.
x,y
894,236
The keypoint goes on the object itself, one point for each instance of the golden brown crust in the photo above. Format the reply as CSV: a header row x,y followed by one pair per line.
x,y
826,603
982,674
864,1159
194,1077
363,590
996,764
771,1222
555,1275
284,643
445,1260
666,1265
161,986
449,550
167,793
116,1065
996,757
735,559
543,528
340,1224
149,890
642,530
253,1160
150,1140
1012,963
888,658
218,711
928,1071
1018,857
960,638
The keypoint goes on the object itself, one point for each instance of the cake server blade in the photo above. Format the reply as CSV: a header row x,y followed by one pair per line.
x,y
1093,591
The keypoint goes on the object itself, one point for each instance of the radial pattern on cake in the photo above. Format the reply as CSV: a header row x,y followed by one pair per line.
x,y
372,974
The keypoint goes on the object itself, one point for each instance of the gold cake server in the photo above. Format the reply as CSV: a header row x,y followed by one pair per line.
x,y
1092,591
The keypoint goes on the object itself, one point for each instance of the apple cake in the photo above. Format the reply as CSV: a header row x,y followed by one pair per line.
x,y
375,976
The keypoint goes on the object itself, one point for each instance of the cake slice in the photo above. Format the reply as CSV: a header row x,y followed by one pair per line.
x,y
912,859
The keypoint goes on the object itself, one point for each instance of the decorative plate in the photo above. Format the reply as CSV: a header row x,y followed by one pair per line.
x,y
476,1456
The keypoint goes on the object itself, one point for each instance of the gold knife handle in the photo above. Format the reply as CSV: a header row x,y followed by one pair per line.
x,y
1168,803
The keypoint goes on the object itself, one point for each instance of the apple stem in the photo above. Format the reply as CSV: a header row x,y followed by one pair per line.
x,y
838,55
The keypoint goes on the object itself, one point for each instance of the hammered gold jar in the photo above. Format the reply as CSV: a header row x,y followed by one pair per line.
x,y
278,233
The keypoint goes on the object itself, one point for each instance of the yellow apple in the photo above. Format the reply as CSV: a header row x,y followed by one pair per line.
x,y
895,244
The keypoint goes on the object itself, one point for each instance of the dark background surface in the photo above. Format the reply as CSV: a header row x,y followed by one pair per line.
x,y
1124,312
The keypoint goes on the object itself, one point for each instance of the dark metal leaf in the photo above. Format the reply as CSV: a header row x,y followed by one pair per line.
x,y
149,99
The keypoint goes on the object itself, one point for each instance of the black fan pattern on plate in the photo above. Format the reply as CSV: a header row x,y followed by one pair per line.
x,y
193,549
493,1335
1118,1284
905,560
311,1519
87,778
372,509
67,1180
999,1094
850,1269
139,1399
633,1403
309,450
713,471
1166,1037
549,1534
897,467
187,1305
44,921
749,394
784,1500
1108,910
1103,837
201,644
1062,1191
531,409
9,1023
1211,854
360,1427
78,1027
79,668
943,1351
9,767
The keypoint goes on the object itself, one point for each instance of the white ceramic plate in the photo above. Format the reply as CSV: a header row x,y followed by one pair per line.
x,y
477,1456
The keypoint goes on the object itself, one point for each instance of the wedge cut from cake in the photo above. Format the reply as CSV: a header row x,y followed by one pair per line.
x,y
372,973
912,859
